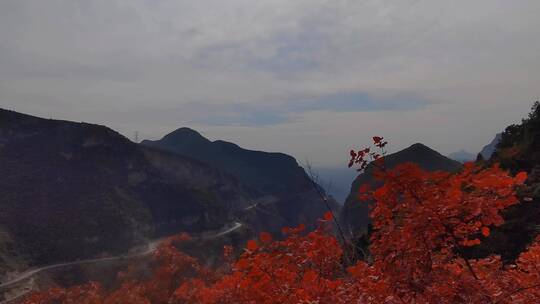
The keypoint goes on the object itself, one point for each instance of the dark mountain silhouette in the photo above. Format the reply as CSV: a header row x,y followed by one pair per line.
x,y
268,173
517,149
73,190
519,145
274,175
355,214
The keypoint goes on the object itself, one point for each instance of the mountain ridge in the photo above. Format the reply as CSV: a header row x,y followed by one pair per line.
x,y
268,173
74,190
355,215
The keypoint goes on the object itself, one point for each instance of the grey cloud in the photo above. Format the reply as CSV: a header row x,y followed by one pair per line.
x,y
271,112
233,67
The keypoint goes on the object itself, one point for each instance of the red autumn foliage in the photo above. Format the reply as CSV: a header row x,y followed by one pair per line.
x,y
423,222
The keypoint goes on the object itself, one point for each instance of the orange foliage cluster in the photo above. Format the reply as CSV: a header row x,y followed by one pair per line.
x,y
423,221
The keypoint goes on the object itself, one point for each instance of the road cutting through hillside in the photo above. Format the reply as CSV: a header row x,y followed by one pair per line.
x,y
151,247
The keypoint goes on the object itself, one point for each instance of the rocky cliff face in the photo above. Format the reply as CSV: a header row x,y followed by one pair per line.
x,y
489,149
355,214
72,190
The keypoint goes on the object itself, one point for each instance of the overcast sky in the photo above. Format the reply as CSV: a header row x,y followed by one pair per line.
x,y
311,78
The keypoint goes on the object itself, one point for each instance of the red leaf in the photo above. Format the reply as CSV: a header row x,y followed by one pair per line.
x,y
521,177
364,188
265,237
485,231
252,245
328,216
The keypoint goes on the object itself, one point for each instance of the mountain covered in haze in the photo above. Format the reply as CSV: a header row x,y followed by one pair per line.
x,y
462,156
355,214
490,148
486,152
74,190
336,181
266,172
272,175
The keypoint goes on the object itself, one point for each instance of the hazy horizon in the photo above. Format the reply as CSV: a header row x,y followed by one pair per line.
x,y
308,78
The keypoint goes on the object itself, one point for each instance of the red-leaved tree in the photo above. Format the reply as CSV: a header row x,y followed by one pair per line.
x,y
423,222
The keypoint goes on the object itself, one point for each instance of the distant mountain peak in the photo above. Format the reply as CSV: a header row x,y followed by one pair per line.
x,y
462,156
355,216
266,174
419,147
184,132
425,156
254,168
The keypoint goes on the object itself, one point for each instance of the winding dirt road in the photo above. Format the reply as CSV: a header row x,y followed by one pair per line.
x,y
29,273
152,246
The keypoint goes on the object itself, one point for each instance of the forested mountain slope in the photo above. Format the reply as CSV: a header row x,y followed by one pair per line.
x,y
276,176
71,190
